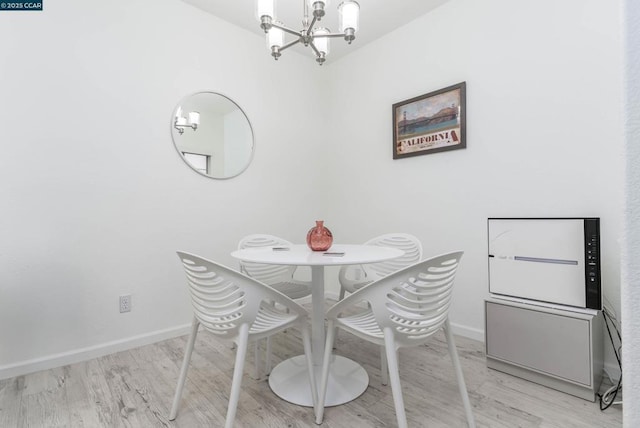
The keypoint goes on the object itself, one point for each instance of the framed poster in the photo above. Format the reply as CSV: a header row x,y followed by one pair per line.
x,y
430,123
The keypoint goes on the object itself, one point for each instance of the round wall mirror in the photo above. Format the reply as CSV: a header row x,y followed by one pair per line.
x,y
212,135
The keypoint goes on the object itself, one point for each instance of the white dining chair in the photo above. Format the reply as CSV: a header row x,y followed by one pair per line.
x,y
237,308
404,309
352,278
279,277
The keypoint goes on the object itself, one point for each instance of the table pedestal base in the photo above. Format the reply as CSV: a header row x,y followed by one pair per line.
x,y
347,381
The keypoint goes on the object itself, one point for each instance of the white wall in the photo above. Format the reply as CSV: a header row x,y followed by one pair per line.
x,y
93,86
95,200
631,254
544,95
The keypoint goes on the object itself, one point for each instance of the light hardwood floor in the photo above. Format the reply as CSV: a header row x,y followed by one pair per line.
x,y
135,389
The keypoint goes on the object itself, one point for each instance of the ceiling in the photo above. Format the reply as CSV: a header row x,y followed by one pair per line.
x,y
377,18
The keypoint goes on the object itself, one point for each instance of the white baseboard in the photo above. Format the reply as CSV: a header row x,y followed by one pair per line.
x,y
83,354
468,332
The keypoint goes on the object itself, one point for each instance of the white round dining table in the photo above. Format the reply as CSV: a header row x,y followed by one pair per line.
x,y
289,379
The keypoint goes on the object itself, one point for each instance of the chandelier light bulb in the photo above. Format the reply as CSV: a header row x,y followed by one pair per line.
x,y
265,13
322,43
275,40
275,37
349,17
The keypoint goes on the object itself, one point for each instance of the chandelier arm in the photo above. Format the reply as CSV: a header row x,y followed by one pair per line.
x,y
313,46
332,35
288,45
310,27
286,29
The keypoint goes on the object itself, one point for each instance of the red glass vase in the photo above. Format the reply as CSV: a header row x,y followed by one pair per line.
x,y
319,237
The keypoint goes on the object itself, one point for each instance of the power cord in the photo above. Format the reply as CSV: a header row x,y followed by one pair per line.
x,y
609,396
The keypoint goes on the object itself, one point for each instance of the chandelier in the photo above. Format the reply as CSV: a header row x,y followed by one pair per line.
x,y
181,122
316,38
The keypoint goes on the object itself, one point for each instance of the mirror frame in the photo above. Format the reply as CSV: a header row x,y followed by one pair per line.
x,y
172,130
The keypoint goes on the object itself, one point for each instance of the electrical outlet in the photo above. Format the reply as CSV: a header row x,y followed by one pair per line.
x,y
125,303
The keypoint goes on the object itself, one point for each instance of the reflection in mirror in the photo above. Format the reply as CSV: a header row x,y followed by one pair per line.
x,y
212,134
181,122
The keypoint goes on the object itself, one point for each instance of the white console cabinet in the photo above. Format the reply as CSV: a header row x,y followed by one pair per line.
x,y
554,347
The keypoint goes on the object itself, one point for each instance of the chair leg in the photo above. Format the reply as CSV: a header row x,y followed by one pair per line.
x,y
394,375
185,366
267,362
306,341
256,358
384,367
326,362
340,297
238,371
267,358
458,370
286,310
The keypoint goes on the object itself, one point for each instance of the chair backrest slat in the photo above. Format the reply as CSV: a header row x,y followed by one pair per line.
x,y
224,299
408,243
269,274
414,302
